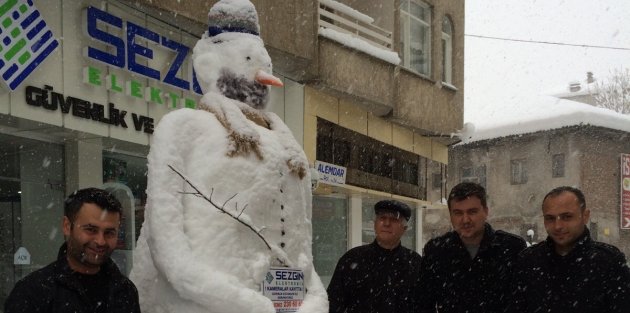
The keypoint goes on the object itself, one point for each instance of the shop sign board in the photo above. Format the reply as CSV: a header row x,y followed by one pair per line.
x,y
330,173
123,38
26,41
625,191
285,288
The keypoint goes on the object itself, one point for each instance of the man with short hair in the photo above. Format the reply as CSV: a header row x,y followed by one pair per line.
x,y
380,277
570,272
84,278
468,269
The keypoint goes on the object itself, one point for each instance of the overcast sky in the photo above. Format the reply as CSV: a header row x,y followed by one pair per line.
x,y
498,73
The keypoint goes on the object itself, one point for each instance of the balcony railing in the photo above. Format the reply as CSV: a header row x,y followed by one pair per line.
x,y
344,19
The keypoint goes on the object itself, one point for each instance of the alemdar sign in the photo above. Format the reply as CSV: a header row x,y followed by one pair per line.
x,y
330,173
25,41
625,191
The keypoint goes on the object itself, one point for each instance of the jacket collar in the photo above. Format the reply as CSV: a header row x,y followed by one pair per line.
x,y
581,241
486,241
380,249
63,268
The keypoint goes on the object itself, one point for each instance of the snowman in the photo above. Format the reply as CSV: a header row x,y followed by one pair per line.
x,y
195,257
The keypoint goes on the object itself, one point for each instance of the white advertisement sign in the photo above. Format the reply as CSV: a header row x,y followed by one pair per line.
x,y
285,287
330,173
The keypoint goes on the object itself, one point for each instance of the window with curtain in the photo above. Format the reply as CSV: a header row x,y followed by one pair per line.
x,y
415,41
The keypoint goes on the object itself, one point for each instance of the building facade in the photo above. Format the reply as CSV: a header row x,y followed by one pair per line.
x,y
93,78
519,170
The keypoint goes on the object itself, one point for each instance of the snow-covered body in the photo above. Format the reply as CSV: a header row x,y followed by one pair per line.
x,y
190,256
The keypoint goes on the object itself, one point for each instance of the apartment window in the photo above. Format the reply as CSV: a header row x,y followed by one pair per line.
x,y
415,40
474,174
519,172
437,180
447,50
468,174
557,165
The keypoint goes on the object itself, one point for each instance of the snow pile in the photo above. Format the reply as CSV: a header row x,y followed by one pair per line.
x,y
537,113
357,43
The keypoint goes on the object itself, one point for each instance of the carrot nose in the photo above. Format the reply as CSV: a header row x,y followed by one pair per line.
x,y
268,79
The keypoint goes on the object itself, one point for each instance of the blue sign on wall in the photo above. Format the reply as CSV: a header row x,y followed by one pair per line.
x,y
25,41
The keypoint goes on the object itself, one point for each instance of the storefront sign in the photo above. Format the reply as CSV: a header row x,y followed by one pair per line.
x,y
285,287
625,191
126,48
26,41
50,100
330,173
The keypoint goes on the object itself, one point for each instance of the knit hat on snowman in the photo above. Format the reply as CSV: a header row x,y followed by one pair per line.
x,y
233,16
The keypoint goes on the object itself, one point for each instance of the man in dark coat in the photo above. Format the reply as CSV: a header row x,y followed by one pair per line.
x,y
570,272
84,278
381,277
468,269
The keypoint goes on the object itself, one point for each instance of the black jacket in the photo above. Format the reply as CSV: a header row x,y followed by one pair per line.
x,y
370,279
54,289
452,281
593,277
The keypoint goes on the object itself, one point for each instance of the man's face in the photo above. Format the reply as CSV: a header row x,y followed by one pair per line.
x,y
389,227
468,218
564,220
91,238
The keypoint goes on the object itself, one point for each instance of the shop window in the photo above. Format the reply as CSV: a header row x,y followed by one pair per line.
x,y
398,171
125,176
32,192
557,165
341,152
519,172
324,144
415,36
330,233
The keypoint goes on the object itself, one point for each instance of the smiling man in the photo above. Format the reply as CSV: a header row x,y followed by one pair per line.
x,y
468,269
84,278
570,272
381,277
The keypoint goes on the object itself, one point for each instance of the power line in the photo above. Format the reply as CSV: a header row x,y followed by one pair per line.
x,y
548,42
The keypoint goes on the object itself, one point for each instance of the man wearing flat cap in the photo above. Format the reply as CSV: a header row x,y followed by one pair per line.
x,y
380,277
468,269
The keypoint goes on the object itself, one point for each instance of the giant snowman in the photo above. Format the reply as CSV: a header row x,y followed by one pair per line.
x,y
196,257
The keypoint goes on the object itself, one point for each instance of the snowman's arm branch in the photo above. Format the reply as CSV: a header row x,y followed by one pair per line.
x,y
220,208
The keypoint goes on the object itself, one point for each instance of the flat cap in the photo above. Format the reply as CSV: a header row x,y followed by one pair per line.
x,y
393,206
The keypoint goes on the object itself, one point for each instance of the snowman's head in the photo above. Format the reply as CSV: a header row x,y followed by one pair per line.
x,y
236,65
231,58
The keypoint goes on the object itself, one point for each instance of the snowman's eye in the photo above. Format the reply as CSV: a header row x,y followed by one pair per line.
x,y
217,41
248,58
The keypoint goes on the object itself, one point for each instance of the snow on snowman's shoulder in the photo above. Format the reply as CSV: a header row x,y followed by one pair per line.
x,y
185,120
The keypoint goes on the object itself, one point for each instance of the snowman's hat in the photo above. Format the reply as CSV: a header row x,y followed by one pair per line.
x,y
233,16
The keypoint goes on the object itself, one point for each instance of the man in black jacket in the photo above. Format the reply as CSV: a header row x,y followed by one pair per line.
x,y
570,272
381,277
84,278
468,269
